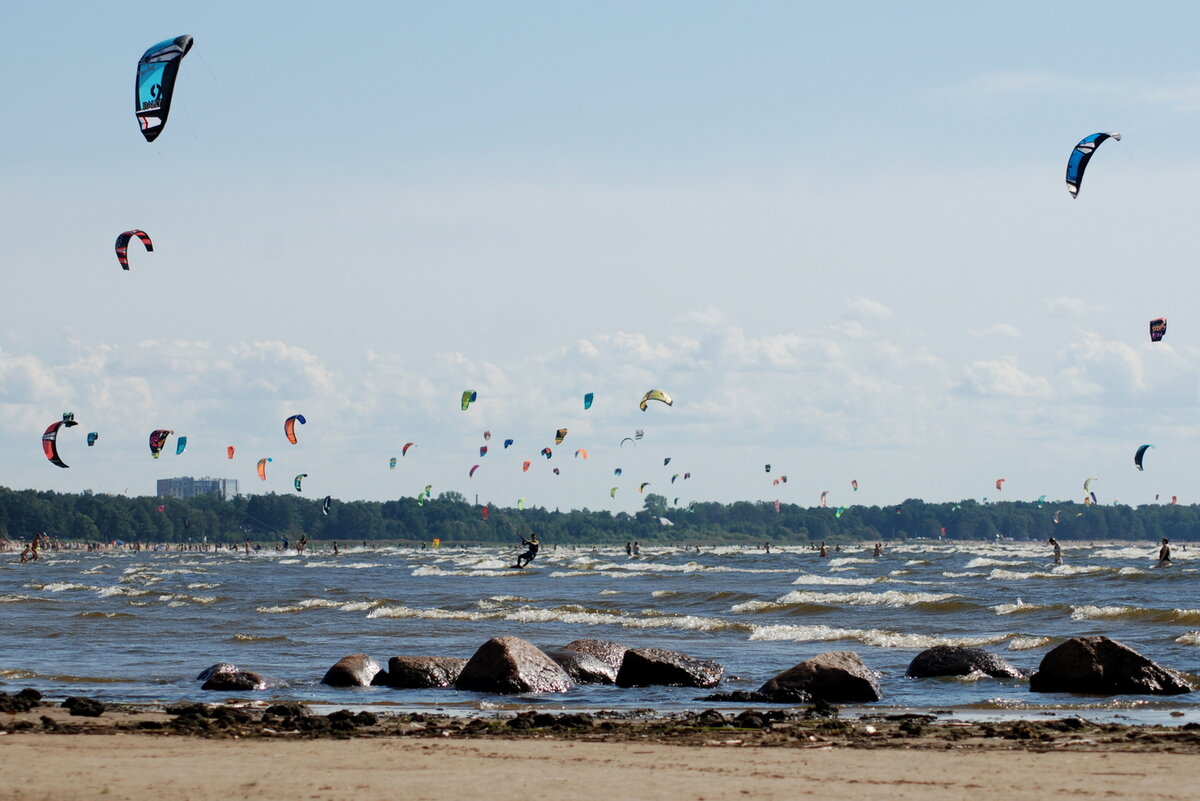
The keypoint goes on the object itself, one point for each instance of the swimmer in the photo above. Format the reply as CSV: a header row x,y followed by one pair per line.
x,y
1057,551
1164,554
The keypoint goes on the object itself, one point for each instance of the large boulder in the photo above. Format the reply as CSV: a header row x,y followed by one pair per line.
x,y
646,666
956,660
355,670
416,672
227,677
834,676
1100,666
583,668
609,652
511,665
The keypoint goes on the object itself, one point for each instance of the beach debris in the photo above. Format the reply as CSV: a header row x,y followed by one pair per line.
x,y
22,701
418,672
510,665
833,676
642,667
957,660
1100,666
355,670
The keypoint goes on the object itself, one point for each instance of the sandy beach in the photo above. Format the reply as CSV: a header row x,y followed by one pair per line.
x,y
222,752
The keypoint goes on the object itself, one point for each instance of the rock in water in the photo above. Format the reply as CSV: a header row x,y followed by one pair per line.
x,y
834,676
955,660
511,665
355,670
225,676
1100,666
583,668
609,652
416,672
649,666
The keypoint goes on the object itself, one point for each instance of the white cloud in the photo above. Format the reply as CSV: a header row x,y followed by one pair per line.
x,y
998,330
1002,377
866,307
1074,306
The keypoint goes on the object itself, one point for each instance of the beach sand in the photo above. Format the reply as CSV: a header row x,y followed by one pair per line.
x,y
138,766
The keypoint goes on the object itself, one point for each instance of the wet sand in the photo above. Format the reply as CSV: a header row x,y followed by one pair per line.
x,y
231,752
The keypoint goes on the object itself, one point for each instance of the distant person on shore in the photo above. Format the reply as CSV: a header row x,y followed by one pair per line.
x,y
1164,554
529,555
1057,551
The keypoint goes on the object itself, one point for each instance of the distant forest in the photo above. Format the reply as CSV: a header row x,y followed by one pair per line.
x,y
450,518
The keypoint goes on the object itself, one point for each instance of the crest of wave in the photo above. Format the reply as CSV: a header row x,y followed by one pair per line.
x,y
879,638
1027,643
840,561
430,614
1017,608
983,561
838,580
348,566
893,598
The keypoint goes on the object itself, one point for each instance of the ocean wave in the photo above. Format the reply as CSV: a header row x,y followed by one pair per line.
x,y
117,589
202,586
1182,616
62,586
346,565
611,592
180,599
984,561
102,615
950,574
893,598
879,638
1060,571
14,599
916,562
838,580
841,561
1190,638
1020,607
429,614
257,638
1027,643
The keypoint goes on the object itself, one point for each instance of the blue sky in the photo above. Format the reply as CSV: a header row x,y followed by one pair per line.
x,y
839,236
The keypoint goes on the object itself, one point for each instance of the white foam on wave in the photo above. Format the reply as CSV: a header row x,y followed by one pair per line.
x,y
1131,571
179,599
983,561
1190,638
893,598
838,580
346,566
970,574
1027,643
1020,607
62,586
878,638
13,599
202,586
116,589
915,562
406,612
611,592
608,574
840,561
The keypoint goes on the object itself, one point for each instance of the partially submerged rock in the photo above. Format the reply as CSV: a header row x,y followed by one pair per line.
x,y
355,670
227,677
642,667
834,676
583,668
609,652
957,660
1100,666
417,672
511,665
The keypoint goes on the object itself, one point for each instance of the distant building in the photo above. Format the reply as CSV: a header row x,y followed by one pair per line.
x,y
188,487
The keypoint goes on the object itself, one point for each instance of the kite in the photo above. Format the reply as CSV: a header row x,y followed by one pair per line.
x,y
122,246
840,511
325,504
483,450
297,479
289,427
262,467
404,450
1158,329
999,484
1087,484
617,472
180,444
655,394
520,504
674,477
487,435
507,442
1041,499
556,471
666,461
229,452
1080,157
686,476
767,468
547,452
50,438
581,452
1057,515
612,493
392,463
587,400
559,436
484,511
628,439
643,486
854,484
156,72
824,497
471,472
638,434
92,437
158,438
468,397
1141,452
525,466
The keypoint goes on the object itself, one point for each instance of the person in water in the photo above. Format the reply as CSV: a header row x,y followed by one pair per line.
x,y
528,556
1057,551
1164,554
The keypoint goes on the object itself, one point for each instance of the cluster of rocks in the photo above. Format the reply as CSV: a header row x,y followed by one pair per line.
x,y
510,665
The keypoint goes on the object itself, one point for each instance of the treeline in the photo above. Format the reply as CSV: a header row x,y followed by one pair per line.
x,y
450,518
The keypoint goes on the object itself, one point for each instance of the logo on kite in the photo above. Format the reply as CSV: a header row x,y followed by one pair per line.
x,y
587,400
1158,328
50,438
289,427
156,73
1080,156
122,246
158,438
469,396
655,394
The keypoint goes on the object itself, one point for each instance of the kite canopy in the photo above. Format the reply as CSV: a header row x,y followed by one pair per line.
x,y
469,396
289,427
404,450
325,504
547,452
581,452
999,484
525,466
229,452
156,73
50,438
643,486
507,443
262,467
1141,453
471,472
122,246
587,400
559,436
655,394
1080,157
483,450
1158,329
92,437
612,493
392,463
854,484
180,445
296,481
158,438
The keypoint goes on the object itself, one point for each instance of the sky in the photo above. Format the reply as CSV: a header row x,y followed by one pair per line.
x,y
837,234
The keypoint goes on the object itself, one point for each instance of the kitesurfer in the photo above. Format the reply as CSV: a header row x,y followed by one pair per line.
x,y
1164,554
528,556
1057,551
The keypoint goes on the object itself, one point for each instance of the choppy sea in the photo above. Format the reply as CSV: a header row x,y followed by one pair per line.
x,y
138,627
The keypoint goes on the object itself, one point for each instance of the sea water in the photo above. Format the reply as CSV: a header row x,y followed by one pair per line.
x,y
138,626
